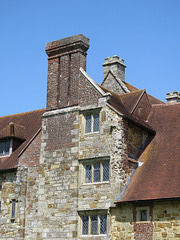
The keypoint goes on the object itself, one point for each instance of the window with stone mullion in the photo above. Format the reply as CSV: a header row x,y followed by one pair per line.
x,y
94,224
103,224
88,124
88,177
95,122
85,225
97,172
105,171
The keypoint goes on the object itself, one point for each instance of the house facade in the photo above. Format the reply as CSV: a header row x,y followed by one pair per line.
x,y
100,162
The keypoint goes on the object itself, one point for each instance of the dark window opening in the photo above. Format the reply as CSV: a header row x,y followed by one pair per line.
x,y
143,215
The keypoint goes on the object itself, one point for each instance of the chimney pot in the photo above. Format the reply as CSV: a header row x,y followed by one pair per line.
x,y
173,97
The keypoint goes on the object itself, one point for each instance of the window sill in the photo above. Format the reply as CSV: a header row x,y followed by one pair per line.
x,y
96,183
90,133
1,156
93,235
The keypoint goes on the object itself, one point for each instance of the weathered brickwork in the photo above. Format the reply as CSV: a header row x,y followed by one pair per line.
x,y
30,157
65,59
135,139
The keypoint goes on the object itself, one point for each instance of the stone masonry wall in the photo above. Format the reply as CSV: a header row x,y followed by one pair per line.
x,y
163,222
12,188
58,176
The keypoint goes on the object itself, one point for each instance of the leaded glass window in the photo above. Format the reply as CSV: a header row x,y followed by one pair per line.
x,y
13,208
88,173
103,224
85,225
96,123
106,171
94,224
92,123
97,172
88,124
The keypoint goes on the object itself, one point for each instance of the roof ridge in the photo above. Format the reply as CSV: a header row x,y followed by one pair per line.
x,y
165,104
23,113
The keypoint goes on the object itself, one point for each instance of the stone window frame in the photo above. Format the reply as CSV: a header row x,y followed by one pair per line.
x,y
13,210
89,214
85,114
139,211
92,162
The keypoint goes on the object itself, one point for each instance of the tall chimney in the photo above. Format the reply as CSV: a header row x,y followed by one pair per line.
x,y
65,57
173,97
116,64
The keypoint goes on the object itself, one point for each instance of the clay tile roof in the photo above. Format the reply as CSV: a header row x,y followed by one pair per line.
x,y
25,126
152,99
13,130
159,176
124,103
129,100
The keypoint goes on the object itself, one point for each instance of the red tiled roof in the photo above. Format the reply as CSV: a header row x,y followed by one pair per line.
x,y
152,99
30,122
159,176
13,130
124,103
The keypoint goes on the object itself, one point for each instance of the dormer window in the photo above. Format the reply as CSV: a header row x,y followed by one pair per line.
x,y
5,147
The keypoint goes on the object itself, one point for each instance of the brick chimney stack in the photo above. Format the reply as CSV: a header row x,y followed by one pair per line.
x,y
65,57
116,64
173,97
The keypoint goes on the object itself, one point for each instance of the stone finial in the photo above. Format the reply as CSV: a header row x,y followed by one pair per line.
x,y
173,97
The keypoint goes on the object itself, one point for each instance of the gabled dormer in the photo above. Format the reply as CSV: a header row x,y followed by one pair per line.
x,y
11,137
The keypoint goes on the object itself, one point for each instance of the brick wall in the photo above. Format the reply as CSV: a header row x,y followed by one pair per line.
x,y
65,57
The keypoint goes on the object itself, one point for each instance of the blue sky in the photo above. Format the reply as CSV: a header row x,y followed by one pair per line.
x,y
146,34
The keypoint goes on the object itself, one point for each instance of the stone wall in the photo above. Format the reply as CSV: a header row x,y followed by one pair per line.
x,y
163,221
58,175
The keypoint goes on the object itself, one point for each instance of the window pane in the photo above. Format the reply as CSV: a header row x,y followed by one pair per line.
x,y
97,172
103,224
13,208
85,224
88,124
1,148
88,174
106,171
143,215
96,123
7,147
94,224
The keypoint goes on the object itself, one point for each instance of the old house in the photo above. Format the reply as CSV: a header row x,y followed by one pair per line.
x,y
100,162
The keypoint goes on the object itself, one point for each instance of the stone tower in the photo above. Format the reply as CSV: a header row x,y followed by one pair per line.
x,y
58,177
